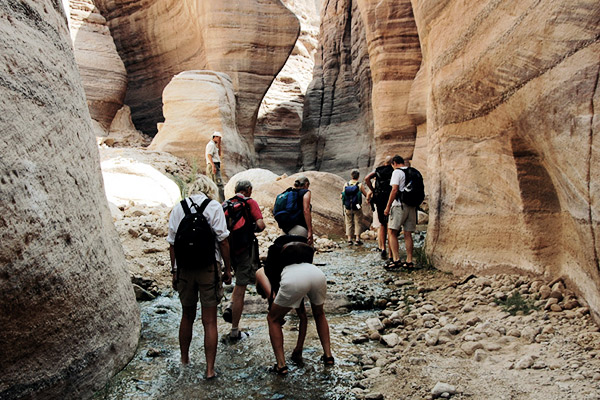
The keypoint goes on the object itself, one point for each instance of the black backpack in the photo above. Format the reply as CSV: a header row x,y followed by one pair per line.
x,y
351,196
239,224
273,262
383,176
413,193
194,240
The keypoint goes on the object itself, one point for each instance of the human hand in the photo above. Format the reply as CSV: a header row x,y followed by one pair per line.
x,y
214,169
227,277
387,211
369,196
309,240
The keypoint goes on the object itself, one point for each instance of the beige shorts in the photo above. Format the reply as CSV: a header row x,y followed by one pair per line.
x,y
245,266
204,284
403,216
299,280
298,230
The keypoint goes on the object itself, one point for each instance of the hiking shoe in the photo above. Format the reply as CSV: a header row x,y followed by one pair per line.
x,y
227,315
358,243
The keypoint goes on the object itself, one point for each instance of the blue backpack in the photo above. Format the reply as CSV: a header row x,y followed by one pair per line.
x,y
288,209
351,196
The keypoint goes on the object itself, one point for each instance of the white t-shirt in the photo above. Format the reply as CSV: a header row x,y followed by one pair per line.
x,y
213,214
398,178
213,150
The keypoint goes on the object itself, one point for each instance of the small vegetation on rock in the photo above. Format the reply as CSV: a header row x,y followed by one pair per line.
x,y
515,303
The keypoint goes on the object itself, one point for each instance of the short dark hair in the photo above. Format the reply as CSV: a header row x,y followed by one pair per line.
x,y
397,159
296,253
354,174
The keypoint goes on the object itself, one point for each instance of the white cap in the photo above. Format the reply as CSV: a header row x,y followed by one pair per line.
x,y
217,133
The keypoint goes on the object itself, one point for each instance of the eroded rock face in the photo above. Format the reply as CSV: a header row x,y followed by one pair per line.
x,y
102,71
196,104
249,40
513,137
395,58
337,127
68,312
277,134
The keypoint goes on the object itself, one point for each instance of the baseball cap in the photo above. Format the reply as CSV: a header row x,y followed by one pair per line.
x,y
216,133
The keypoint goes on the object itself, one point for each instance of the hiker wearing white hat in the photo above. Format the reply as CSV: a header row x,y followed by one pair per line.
x,y
213,162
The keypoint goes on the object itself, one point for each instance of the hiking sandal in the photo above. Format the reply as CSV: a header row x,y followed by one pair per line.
x,y
283,371
297,357
328,361
393,265
408,265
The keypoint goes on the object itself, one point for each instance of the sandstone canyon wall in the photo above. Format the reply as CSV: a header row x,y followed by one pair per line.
x,y
512,127
277,133
337,127
68,313
249,40
102,71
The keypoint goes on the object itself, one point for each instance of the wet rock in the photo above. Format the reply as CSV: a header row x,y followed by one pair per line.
x,y
374,324
142,294
153,352
360,339
440,388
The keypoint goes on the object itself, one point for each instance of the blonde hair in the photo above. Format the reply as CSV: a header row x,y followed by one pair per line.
x,y
203,184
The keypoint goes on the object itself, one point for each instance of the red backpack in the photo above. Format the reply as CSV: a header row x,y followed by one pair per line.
x,y
239,224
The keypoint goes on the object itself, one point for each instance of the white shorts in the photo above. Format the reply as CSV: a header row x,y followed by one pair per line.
x,y
299,280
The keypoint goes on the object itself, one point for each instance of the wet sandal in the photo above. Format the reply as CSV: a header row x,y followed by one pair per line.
x,y
297,357
393,265
408,265
327,360
279,371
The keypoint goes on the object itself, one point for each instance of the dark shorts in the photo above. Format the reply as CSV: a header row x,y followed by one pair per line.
x,y
380,205
204,284
245,266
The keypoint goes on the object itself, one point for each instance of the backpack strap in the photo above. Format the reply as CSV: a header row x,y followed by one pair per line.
x,y
203,205
199,209
186,208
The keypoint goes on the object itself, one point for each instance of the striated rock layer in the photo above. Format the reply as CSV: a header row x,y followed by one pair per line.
x,y
102,71
337,127
513,129
277,134
67,311
248,39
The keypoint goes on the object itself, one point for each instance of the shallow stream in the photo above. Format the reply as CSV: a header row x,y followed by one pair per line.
x,y
355,284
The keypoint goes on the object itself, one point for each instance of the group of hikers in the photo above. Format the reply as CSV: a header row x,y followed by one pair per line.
x,y
212,240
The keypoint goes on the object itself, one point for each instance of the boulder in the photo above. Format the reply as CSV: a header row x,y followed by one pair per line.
x,y
257,176
197,103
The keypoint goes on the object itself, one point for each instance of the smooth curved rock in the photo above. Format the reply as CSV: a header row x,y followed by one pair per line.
x,y
325,190
249,40
197,103
68,312
102,70
257,176
513,127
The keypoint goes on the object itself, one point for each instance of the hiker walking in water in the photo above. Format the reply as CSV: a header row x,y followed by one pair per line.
x,y
400,216
243,219
292,210
198,248
213,153
297,278
378,197
351,202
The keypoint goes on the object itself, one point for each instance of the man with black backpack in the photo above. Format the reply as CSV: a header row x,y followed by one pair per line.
x,y
351,202
198,248
378,197
243,217
406,196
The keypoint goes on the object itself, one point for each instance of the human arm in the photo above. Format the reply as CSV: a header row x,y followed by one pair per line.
x,y
391,199
224,247
308,217
369,184
218,143
212,163
260,225
173,270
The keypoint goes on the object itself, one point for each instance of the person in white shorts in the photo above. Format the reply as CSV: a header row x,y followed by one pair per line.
x,y
299,278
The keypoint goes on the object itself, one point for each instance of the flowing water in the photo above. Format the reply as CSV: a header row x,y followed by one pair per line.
x,y
355,284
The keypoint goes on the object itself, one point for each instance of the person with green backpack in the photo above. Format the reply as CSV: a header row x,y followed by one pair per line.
x,y
351,201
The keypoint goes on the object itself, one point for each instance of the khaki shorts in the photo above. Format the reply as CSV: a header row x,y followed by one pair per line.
x,y
204,284
299,280
245,266
403,216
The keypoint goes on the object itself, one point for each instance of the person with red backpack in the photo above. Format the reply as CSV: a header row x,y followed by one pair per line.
x,y
243,217
351,201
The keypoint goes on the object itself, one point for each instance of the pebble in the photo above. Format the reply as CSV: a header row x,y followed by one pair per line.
x,y
480,355
440,388
431,337
374,324
470,347
390,340
524,363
